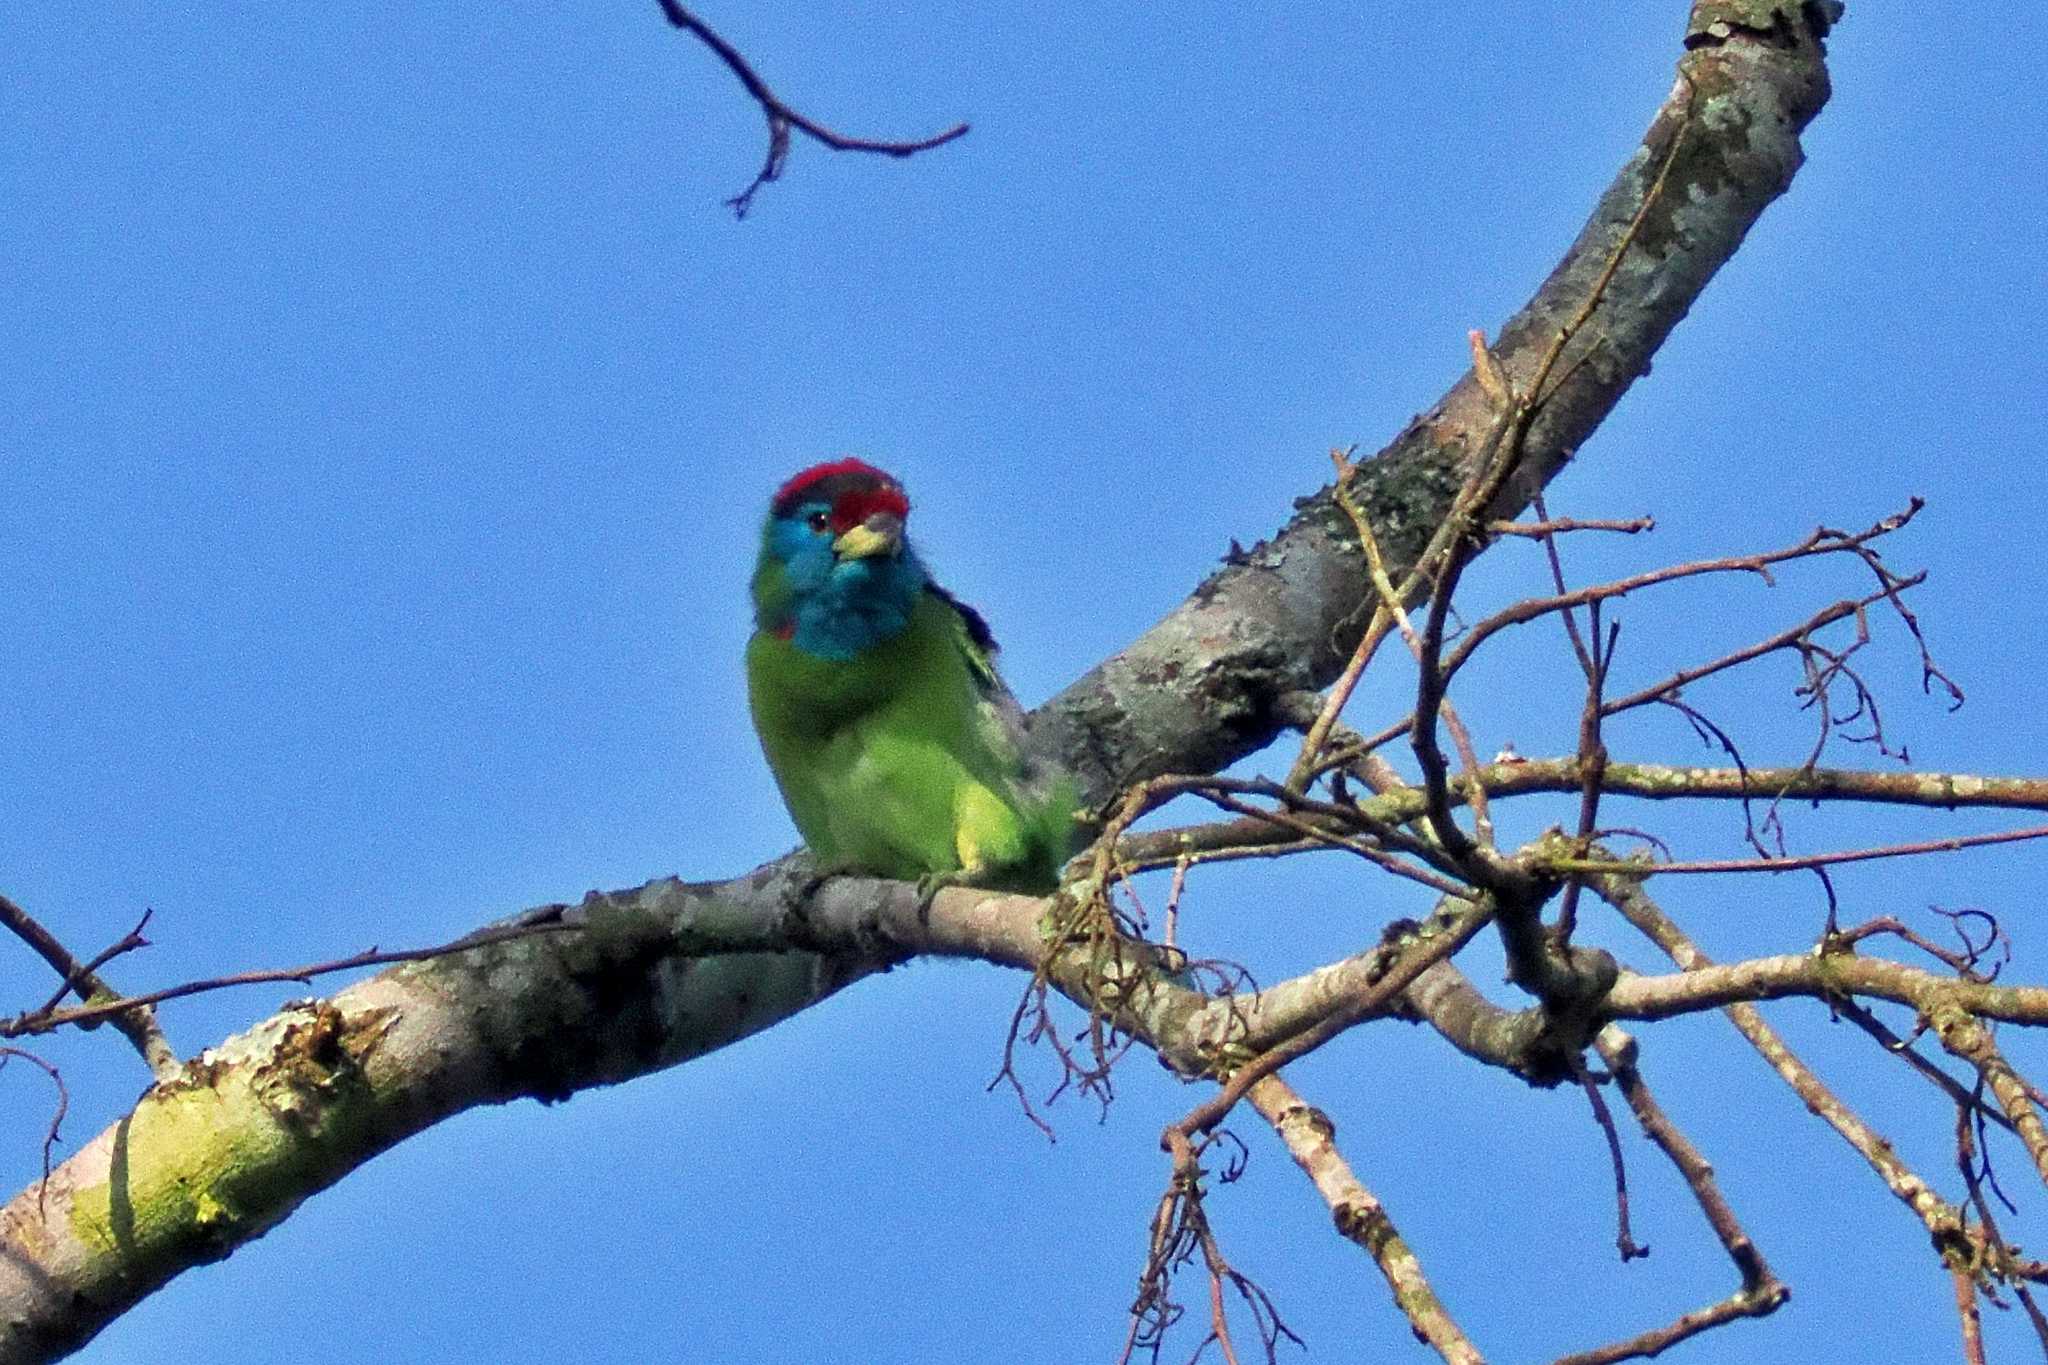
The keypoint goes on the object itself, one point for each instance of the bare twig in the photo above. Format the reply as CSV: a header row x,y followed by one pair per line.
x,y
137,1023
1624,1240
1969,1038
1822,541
50,1133
1411,963
1793,863
1662,782
1861,1016
1761,1292
1390,606
1557,526
1596,658
1376,631
1181,1230
1999,1260
782,118
1967,1312
1942,1219
49,1021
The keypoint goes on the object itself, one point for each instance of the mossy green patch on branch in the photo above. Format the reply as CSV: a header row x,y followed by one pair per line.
x,y
206,1162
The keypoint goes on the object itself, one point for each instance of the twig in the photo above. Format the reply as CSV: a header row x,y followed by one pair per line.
x,y
85,980
1596,658
1390,605
1549,526
137,1024
1624,1240
50,1133
1173,893
1967,1313
782,118
1999,1259
1376,631
49,1021
1180,1229
1963,964
1761,1292
1969,1039
1860,1015
1438,567
1388,989
1822,541
1817,976
1794,863
1310,831
1942,1220
1663,782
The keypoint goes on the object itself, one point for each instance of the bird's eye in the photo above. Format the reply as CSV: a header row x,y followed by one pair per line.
x,y
818,521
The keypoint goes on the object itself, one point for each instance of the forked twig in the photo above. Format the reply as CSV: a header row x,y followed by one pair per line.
x,y
137,1024
782,118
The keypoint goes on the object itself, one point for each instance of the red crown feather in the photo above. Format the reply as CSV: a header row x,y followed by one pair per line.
x,y
856,488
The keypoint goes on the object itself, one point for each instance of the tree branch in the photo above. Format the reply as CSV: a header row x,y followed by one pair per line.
x,y
1208,684
134,1018
1943,1220
1311,1139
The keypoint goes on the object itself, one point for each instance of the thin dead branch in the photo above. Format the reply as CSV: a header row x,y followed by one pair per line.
x,y
1943,1221
1549,526
47,1020
57,1113
1624,1239
1311,1139
1823,541
1796,862
783,119
137,1024
1760,1292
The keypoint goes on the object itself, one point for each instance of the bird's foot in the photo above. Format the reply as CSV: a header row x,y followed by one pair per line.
x,y
932,883
798,891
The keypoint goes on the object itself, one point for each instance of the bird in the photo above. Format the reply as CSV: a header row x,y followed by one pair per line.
x,y
895,743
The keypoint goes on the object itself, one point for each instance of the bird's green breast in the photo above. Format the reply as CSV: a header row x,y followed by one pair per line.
x,y
918,677
873,753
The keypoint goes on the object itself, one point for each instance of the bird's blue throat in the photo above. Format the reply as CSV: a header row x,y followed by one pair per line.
x,y
862,603
828,607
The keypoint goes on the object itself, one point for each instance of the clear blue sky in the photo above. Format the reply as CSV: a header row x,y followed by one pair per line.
x,y
389,406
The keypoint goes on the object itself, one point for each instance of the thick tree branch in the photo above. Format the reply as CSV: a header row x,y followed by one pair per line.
x,y
1206,685
642,980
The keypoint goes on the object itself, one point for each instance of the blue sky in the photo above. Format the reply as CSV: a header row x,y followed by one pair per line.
x,y
390,406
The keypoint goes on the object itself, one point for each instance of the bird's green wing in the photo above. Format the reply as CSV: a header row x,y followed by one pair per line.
x,y
1041,797
1002,719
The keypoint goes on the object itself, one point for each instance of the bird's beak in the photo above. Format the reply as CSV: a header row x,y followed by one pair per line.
x,y
880,534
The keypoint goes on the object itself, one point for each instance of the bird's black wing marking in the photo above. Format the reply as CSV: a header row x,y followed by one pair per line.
x,y
977,628
978,645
